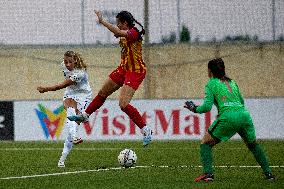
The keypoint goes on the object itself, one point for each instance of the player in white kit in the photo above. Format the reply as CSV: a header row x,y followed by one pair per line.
x,y
77,96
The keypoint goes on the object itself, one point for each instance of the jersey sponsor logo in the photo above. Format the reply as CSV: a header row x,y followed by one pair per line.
x,y
232,104
52,122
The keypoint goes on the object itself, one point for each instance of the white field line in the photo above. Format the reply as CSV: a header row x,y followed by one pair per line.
x,y
99,149
55,149
141,166
62,173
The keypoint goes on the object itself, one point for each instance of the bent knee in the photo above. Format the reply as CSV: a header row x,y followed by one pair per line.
x,y
122,105
209,140
210,143
251,145
103,94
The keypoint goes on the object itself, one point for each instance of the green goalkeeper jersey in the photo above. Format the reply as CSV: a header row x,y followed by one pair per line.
x,y
224,97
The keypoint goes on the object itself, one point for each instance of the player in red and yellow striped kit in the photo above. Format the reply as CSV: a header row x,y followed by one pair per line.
x,y
127,76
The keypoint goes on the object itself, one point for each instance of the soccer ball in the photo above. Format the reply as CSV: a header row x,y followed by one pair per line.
x,y
127,158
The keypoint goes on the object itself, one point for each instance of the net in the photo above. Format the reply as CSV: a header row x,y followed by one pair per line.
x,y
248,35
74,21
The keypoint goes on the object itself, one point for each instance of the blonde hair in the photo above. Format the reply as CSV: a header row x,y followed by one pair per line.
x,y
79,62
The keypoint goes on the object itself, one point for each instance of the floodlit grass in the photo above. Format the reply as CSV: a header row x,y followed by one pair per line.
x,y
164,164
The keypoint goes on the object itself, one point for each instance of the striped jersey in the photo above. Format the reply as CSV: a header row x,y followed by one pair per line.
x,y
131,52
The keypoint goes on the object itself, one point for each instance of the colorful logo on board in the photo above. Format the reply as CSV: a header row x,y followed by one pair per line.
x,y
52,122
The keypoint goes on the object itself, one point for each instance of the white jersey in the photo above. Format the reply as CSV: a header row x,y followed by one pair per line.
x,y
82,87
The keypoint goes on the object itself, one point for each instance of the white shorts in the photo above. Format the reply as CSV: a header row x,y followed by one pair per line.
x,y
82,103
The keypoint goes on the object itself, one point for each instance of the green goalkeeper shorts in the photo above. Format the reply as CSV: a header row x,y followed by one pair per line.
x,y
231,122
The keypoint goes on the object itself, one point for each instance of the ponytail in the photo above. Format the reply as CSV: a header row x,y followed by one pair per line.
x,y
142,32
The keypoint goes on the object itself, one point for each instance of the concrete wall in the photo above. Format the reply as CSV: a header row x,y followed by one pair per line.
x,y
176,71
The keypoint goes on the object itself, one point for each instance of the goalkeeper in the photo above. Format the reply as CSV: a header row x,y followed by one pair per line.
x,y
232,118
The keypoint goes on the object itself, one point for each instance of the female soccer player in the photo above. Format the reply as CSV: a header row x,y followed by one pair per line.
x,y
77,96
127,76
232,118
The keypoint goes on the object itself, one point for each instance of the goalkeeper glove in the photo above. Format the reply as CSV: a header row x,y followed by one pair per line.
x,y
191,106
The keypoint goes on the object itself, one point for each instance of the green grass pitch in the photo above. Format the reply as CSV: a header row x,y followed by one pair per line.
x,y
163,164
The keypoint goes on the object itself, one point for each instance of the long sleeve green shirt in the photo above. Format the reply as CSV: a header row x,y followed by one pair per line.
x,y
223,97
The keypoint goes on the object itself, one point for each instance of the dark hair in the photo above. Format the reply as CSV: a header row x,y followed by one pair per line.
x,y
217,68
125,16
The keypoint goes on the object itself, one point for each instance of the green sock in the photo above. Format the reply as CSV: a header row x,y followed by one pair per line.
x,y
206,158
261,158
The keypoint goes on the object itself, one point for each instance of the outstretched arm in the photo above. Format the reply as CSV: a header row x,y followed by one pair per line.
x,y
114,29
56,87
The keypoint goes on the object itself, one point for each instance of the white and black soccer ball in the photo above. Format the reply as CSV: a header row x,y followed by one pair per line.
x,y
127,158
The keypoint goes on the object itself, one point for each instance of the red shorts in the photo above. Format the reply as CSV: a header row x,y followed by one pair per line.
x,y
122,77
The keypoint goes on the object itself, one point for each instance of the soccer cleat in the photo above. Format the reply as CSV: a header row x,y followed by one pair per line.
x,y
61,164
269,176
147,136
77,140
207,177
80,117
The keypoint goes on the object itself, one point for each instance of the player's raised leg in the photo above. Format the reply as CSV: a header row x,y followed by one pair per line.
x,y
108,88
126,95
